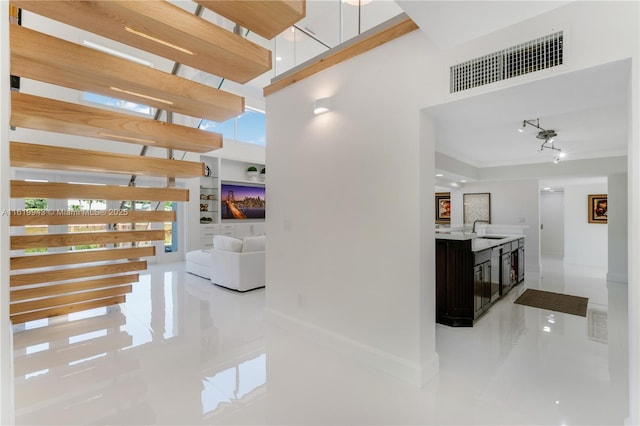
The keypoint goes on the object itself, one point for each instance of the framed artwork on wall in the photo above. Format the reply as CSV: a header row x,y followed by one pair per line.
x,y
443,208
597,208
476,206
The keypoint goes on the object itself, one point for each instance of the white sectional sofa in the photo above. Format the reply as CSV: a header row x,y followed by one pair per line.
x,y
238,264
234,263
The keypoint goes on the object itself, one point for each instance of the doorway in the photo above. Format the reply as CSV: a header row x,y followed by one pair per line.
x,y
552,223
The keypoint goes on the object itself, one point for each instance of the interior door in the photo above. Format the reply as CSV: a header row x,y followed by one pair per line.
x,y
552,223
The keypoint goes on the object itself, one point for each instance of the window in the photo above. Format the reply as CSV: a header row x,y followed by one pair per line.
x,y
170,230
118,103
33,205
250,127
86,207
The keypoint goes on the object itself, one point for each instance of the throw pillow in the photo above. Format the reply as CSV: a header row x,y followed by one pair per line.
x,y
224,242
250,244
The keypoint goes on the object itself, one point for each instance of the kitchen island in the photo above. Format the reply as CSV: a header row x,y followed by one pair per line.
x,y
473,272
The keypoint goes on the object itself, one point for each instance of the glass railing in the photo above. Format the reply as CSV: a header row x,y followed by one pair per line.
x,y
327,25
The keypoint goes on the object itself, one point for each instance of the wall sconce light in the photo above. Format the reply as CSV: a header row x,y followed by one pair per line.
x,y
322,105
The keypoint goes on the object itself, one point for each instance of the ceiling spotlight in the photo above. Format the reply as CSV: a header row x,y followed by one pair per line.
x,y
463,181
521,130
439,175
562,154
548,136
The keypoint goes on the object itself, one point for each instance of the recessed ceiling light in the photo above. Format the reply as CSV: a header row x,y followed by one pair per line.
x,y
278,58
546,188
439,175
463,181
562,154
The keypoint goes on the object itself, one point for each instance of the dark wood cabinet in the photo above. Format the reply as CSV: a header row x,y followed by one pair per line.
x,y
520,260
464,286
454,283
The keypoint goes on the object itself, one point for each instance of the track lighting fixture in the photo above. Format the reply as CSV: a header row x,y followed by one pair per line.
x,y
548,137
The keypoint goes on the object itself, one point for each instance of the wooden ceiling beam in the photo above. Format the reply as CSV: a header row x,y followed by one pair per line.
x,y
37,156
45,58
265,18
163,29
38,113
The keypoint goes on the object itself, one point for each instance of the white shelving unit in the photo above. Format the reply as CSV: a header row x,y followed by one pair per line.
x,y
209,202
227,171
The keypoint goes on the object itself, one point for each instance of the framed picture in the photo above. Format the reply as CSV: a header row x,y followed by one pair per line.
x,y
597,208
443,207
477,207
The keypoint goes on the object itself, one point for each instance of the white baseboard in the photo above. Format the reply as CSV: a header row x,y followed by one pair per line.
x,y
617,278
410,372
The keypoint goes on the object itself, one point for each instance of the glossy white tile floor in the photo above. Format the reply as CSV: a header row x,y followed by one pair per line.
x,y
182,351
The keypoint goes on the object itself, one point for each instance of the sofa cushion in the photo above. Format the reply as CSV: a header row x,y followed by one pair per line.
x,y
253,243
224,242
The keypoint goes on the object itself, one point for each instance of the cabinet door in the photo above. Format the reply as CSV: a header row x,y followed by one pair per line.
x,y
486,280
520,264
478,290
505,283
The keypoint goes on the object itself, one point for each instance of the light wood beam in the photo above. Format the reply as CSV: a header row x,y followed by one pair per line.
x,y
361,44
75,273
164,30
62,310
24,189
266,18
45,58
49,302
74,159
54,290
70,217
38,113
19,242
75,257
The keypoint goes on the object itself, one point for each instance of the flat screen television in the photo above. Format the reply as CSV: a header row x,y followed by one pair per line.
x,y
242,201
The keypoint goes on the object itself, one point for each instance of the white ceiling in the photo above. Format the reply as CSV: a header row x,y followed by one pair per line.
x,y
449,23
588,110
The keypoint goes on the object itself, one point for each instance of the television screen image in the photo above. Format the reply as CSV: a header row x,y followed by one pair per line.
x,y
242,201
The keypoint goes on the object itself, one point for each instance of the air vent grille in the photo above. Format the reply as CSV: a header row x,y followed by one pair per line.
x,y
535,55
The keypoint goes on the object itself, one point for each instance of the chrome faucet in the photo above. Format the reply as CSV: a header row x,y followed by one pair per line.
x,y
476,221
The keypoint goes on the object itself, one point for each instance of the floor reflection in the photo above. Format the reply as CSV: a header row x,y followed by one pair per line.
x,y
183,351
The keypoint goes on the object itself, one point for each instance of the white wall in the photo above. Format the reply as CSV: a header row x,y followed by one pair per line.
x,y
552,221
596,32
6,340
344,219
584,243
512,203
618,228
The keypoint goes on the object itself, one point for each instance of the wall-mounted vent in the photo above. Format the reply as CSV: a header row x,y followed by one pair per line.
x,y
535,55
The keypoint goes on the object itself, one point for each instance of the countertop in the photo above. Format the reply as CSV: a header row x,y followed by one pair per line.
x,y
478,243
